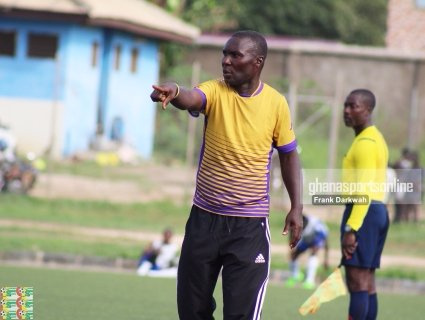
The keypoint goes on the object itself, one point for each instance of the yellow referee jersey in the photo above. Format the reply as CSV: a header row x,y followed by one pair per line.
x,y
365,164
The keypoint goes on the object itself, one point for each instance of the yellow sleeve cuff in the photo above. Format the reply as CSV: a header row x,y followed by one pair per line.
x,y
357,215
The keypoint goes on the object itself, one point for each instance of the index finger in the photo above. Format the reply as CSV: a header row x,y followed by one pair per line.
x,y
295,236
158,88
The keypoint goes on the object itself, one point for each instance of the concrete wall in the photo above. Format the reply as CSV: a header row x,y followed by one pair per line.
x,y
81,86
389,74
36,124
390,80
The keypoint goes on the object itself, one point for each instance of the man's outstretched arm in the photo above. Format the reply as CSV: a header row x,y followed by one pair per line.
x,y
185,99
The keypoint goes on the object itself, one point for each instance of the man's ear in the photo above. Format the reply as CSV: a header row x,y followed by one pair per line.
x,y
260,60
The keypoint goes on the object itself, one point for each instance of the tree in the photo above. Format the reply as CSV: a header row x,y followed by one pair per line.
x,y
356,21
213,15
302,18
361,21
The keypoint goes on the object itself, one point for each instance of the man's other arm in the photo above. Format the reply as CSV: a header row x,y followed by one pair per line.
x,y
291,175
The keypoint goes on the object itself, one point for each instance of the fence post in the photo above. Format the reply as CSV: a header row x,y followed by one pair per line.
x,y
334,127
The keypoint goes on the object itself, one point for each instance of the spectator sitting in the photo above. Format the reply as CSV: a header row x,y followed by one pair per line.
x,y
159,255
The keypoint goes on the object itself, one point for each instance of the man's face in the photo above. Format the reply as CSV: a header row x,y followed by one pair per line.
x,y
356,112
240,62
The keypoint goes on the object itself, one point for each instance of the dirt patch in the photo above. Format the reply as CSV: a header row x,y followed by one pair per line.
x,y
154,184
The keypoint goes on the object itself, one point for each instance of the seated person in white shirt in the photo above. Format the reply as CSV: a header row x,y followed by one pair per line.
x,y
159,255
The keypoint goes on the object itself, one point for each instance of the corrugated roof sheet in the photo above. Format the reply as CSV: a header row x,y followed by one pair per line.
x,y
135,16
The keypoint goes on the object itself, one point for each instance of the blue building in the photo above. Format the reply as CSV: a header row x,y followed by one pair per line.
x,y
71,71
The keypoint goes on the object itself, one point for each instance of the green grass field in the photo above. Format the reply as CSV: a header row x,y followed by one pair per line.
x,y
404,240
87,295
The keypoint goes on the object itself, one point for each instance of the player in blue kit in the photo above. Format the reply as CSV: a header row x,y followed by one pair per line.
x,y
314,238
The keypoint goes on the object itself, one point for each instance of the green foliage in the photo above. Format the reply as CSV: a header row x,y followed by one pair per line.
x,y
171,132
295,17
171,135
171,124
213,15
171,54
361,21
357,21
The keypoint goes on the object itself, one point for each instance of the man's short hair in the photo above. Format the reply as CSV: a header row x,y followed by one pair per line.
x,y
367,96
257,38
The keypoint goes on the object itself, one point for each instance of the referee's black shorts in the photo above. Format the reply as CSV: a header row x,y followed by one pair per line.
x,y
241,246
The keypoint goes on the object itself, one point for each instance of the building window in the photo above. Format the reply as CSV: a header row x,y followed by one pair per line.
x,y
420,4
42,45
7,43
117,57
134,59
94,54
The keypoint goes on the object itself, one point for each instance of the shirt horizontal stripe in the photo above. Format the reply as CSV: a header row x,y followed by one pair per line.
x,y
231,210
234,171
240,197
229,150
288,147
214,178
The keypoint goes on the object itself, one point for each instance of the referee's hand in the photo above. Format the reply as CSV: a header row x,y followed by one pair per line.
x,y
349,244
293,225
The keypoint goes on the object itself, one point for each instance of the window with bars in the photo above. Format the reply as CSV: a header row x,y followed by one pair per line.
x,y
42,45
7,43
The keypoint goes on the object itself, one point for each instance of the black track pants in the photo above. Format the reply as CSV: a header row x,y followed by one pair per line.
x,y
241,246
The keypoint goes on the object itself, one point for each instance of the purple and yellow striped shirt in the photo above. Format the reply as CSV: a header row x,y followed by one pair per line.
x,y
239,136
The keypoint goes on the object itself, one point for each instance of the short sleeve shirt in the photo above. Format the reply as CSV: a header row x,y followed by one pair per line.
x,y
239,136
